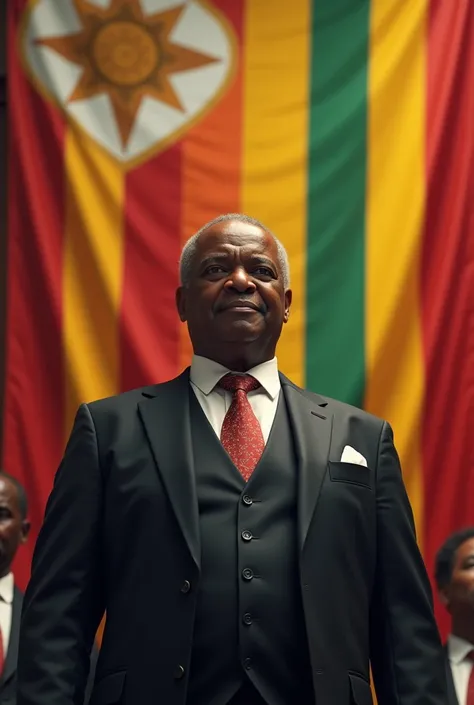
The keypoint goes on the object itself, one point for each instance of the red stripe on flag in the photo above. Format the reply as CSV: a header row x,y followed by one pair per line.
x,y
448,279
33,429
149,331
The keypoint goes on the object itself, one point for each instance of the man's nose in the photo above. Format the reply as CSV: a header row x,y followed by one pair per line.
x,y
240,280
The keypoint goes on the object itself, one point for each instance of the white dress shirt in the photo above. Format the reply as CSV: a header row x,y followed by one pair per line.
x,y
215,401
461,666
6,603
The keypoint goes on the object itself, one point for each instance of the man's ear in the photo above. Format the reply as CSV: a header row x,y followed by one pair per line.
x,y
288,298
25,530
181,297
443,595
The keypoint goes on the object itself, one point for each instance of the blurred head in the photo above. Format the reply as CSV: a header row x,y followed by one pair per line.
x,y
454,573
234,293
14,525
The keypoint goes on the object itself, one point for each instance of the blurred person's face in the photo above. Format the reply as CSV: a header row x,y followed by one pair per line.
x,y
13,527
458,596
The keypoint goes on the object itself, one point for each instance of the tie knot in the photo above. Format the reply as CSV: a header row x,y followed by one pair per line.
x,y
233,383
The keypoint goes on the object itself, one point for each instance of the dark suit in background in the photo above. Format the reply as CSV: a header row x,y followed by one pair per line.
x,y
8,677
454,574
452,697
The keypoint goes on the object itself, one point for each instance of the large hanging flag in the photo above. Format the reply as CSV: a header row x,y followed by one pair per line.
x,y
346,126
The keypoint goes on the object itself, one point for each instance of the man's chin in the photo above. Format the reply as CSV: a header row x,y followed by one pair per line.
x,y
241,331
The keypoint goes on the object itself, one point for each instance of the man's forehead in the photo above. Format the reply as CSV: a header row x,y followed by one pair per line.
x,y
231,235
8,492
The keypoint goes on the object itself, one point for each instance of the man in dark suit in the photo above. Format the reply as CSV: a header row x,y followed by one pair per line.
x,y
454,573
14,529
252,543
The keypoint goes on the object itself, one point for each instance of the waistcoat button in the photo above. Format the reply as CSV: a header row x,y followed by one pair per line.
x,y
247,535
247,574
178,673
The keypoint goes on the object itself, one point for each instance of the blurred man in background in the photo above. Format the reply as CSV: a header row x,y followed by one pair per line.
x,y
14,529
455,581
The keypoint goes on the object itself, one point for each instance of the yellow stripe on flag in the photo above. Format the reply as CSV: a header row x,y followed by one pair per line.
x,y
92,272
275,143
395,211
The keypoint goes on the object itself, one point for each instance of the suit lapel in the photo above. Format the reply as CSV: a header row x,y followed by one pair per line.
x,y
12,651
165,415
452,696
311,427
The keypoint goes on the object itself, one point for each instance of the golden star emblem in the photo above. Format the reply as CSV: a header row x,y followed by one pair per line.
x,y
126,55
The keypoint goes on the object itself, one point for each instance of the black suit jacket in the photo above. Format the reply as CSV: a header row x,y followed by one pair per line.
x,y
121,533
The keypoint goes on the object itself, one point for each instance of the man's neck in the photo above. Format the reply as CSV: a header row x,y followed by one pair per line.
x,y
237,363
464,631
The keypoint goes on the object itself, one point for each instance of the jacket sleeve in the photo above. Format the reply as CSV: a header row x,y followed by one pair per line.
x,y
64,600
406,653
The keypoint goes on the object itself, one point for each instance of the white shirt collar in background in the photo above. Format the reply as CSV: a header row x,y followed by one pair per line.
x,y
7,586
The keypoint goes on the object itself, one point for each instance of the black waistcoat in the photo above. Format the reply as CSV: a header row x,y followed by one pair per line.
x,y
249,619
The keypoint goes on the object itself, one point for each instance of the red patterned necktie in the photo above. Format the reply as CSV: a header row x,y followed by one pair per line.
x,y
470,684
241,434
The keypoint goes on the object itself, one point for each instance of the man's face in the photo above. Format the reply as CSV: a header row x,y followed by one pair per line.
x,y
235,295
13,528
459,594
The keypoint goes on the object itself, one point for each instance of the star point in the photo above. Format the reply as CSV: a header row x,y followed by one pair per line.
x,y
127,56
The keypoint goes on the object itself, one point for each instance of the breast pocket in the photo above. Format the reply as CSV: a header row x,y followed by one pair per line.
x,y
349,472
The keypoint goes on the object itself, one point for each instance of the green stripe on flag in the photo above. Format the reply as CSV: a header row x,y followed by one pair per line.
x,y
336,199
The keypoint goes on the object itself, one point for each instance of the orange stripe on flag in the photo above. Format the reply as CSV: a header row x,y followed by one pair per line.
x,y
211,157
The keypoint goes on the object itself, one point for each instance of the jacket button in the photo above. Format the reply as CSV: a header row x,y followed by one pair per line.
x,y
247,535
178,673
247,619
247,574
185,587
248,664
247,500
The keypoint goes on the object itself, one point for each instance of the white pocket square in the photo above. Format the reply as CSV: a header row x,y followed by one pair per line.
x,y
351,455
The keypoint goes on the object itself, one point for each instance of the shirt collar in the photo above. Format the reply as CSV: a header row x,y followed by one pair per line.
x,y
206,373
458,648
6,588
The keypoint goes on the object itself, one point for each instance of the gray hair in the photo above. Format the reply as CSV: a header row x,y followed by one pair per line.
x,y
189,249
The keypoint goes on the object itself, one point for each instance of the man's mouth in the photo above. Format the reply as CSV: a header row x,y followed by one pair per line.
x,y
241,305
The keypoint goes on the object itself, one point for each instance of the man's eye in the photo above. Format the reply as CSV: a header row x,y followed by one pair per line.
x,y
265,271
215,269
